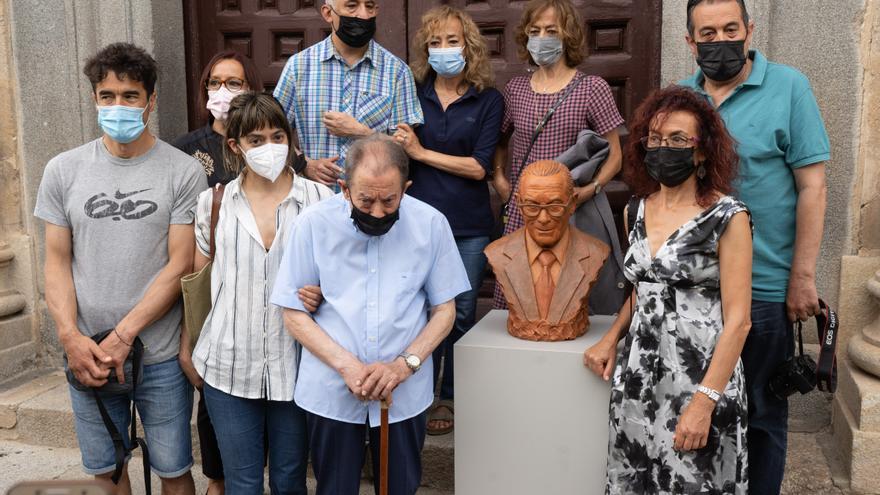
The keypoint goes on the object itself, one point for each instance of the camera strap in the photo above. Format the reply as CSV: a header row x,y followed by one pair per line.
x,y
826,368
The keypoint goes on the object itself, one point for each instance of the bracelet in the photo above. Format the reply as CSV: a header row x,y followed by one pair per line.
x,y
714,395
120,337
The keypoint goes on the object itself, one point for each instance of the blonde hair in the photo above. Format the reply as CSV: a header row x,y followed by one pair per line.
x,y
570,27
477,71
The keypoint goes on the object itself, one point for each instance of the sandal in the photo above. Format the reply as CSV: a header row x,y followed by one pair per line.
x,y
443,410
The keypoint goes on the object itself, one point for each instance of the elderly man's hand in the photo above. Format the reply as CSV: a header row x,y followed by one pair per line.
x,y
344,125
354,373
383,378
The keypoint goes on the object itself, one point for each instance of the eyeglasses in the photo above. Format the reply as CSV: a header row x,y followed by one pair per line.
x,y
555,210
233,84
677,141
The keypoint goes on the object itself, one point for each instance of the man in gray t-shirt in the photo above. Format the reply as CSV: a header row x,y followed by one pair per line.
x,y
119,236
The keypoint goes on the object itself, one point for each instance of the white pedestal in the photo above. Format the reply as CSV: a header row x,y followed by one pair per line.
x,y
529,418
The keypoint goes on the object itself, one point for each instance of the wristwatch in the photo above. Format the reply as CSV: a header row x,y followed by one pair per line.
x,y
597,187
708,392
412,361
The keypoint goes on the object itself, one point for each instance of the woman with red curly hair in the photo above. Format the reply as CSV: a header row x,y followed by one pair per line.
x,y
678,404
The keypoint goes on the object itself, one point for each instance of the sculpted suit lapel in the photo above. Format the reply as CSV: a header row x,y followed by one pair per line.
x,y
570,278
521,278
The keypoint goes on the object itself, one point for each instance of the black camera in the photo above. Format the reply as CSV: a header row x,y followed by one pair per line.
x,y
795,375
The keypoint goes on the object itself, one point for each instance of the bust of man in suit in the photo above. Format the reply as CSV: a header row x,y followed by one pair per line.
x,y
546,268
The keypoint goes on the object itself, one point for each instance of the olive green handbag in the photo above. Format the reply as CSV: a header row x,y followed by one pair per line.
x,y
196,287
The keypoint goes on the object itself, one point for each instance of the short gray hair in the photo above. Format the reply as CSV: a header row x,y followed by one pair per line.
x,y
390,154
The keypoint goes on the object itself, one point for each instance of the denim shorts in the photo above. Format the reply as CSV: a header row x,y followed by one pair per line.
x,y
164,403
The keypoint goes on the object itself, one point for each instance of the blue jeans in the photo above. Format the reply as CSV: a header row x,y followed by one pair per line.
x,y
242,425
769,344
471,251
164,403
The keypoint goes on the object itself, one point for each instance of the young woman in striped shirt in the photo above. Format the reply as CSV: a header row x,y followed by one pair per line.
x,y
246,358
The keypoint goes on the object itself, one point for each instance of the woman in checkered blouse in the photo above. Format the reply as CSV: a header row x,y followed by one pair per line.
x,y
528,98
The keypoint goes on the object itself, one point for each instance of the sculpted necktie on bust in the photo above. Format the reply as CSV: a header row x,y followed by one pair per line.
x,y
545,286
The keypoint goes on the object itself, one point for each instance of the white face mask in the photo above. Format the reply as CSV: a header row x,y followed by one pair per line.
x,y
218,102
267,160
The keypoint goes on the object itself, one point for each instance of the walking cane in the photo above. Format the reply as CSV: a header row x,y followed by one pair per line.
x,y
383,448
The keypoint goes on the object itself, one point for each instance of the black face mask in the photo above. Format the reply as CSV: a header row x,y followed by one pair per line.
x,y
721,60
354,31
670,166
370,225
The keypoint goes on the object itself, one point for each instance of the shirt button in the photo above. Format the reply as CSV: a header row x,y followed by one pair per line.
x,y
619,285
372,339
372,304
372,270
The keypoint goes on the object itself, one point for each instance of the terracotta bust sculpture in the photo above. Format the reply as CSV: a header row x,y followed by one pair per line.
x,y
546,268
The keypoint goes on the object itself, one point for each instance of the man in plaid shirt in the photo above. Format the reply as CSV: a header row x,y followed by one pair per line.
x,y
345,87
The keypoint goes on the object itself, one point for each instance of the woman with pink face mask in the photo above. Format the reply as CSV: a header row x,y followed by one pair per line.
x,y
227,75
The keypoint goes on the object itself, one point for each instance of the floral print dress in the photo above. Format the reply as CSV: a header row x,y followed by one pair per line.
x,y
675,327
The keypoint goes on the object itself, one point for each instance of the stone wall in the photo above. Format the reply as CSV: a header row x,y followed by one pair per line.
x,y
856,411
18,341
52,110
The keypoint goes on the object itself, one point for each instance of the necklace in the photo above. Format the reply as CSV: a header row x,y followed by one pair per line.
x,y
449,98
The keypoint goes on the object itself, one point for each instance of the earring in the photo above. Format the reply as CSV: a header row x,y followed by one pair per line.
x,y
701,172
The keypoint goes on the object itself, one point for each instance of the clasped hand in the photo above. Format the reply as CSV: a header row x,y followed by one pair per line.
x,y
375,381
341,124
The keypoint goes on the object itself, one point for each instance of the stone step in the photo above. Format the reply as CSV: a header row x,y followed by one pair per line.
x,y
15,330
17,359
37,412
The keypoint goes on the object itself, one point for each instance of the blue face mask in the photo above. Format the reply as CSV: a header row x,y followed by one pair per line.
x,y
121,123
446,62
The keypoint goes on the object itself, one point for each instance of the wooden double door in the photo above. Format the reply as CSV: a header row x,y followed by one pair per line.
x,y
622,42
623,37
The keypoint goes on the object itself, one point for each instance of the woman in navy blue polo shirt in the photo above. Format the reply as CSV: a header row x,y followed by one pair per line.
x,y
451,158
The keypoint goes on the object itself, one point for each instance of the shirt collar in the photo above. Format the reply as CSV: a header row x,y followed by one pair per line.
x,y
431,93
756,76
533,249
327,51
297,190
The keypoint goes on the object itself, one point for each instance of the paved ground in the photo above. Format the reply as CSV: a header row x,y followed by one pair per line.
x,y
19,461
808,470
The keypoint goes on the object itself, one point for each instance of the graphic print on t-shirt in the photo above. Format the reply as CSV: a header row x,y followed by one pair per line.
x,y
130,208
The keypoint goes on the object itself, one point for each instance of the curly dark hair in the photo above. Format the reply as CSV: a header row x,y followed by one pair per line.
x,y
126,60
713,141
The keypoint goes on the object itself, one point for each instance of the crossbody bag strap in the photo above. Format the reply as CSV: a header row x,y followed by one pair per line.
x,y
136,441
543,123
119,450
216,201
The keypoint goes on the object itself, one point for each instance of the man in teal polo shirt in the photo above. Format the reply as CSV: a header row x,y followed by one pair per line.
x,y
771,111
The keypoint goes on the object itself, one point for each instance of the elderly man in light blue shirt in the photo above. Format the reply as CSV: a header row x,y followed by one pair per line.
x,y
384,261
